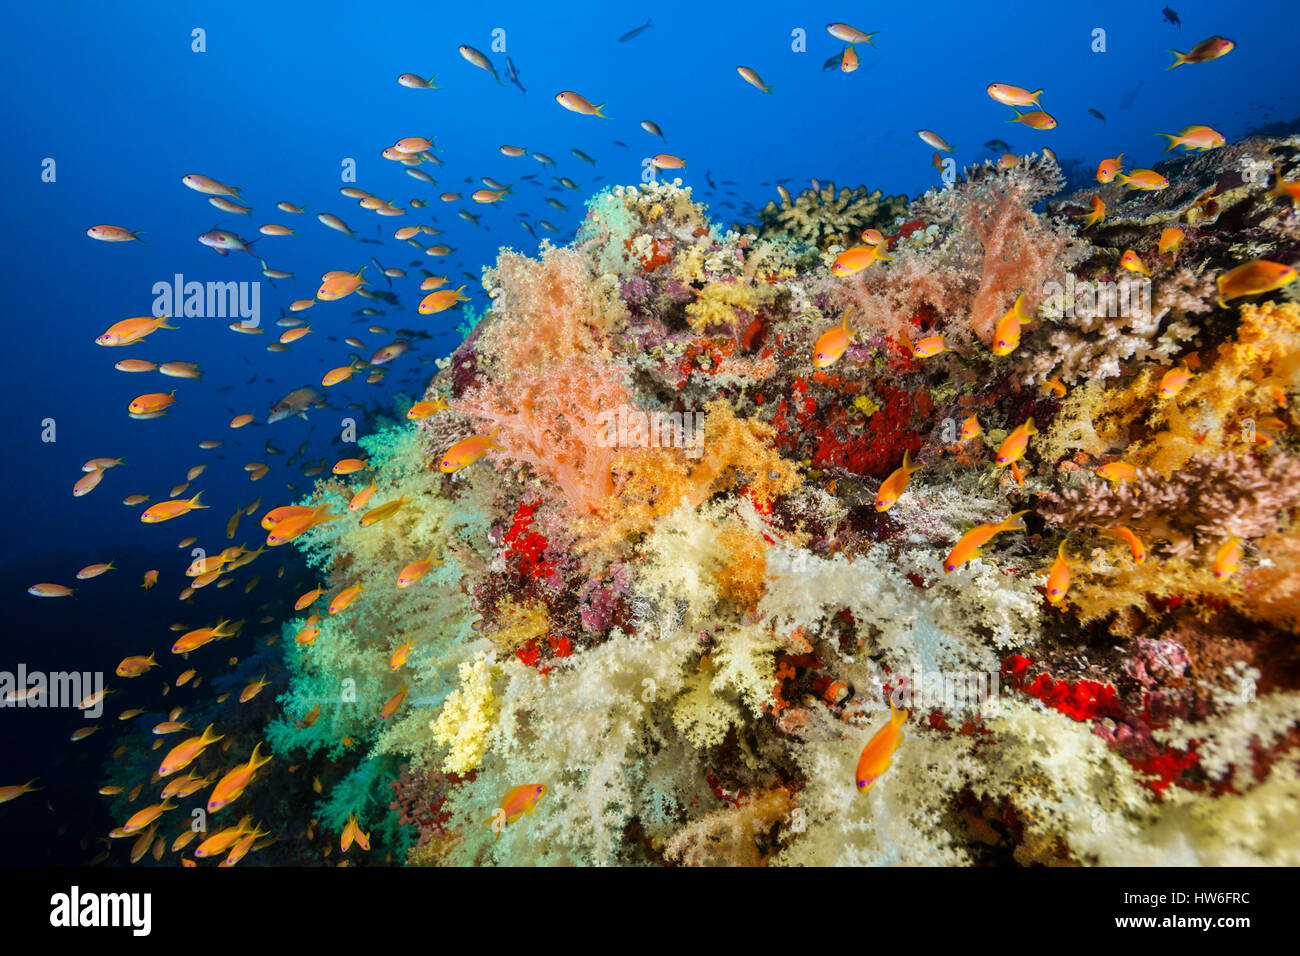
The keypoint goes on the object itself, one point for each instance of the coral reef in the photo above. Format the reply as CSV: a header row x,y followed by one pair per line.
x,y
670,599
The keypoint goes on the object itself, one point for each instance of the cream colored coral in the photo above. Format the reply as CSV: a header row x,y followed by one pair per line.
x,y
465,721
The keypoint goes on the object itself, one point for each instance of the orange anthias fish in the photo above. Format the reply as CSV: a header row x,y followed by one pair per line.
x,y
1147,180
352,834
344,598
441,301
414,571
968,546
752,78
297,525
380,512
465,453
1170,240
232,785
253,689
519,802
879,751
1253,278
1035,119
931,138
1206,50
577,103
1058,579
1013,448
1227,560
132,330
1098,213
1132,263
895,484
970,427
1006,336
1135,546
832,344
858,258
187,751
1117,471
400,656
394,704
1194,138
166,510
135,666
1009,95
17,790
1173,381
1108,169
425,409
929,347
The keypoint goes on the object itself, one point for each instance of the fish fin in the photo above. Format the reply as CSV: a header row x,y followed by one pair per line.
x,y
194,502
1015,522
1181,59
1173,141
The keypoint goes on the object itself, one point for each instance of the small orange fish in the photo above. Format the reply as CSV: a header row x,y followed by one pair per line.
x,y
1194,138
832,344
400,656
394,704
150,579
1058,579
1013,448
1006,335
879,751
1135,546
858,258
425,409
1107,169
252,690
577,103
1117,471
1253,278
1035,119
167,510
1054,387
233,784
929,347
1009,95
1170,240
970,427
441,301
1227,560
135,666
895,484
414,571
465,453
1173,381
107,233
752,78
186,752
344,598
1147,180
17,790
968,545
352,834
1132,263
1098,212
1206,50
380,512
521,801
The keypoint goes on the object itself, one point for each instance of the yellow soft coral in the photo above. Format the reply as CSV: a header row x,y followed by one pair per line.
x,y
1218,410
520,624
717,302
466,719
655,481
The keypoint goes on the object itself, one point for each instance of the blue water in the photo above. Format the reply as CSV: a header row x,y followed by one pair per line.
x,y
284,93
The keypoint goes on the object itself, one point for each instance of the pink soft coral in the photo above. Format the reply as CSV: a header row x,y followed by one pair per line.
x,y
553,420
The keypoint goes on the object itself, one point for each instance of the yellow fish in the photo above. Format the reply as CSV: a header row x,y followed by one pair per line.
x,y
380,512
232,785
1058,579
858,258
519,802
1253,278
1006,336
1227,560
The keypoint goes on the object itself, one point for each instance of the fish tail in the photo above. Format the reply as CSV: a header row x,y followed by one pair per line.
x,y
1034,98
1018,115
136,236
597,111
908,466
1030,427
1181,59
28,788
194,502
1173,141
210,740
1014,522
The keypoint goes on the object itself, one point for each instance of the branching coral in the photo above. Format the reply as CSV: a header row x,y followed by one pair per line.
x,y
820,217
